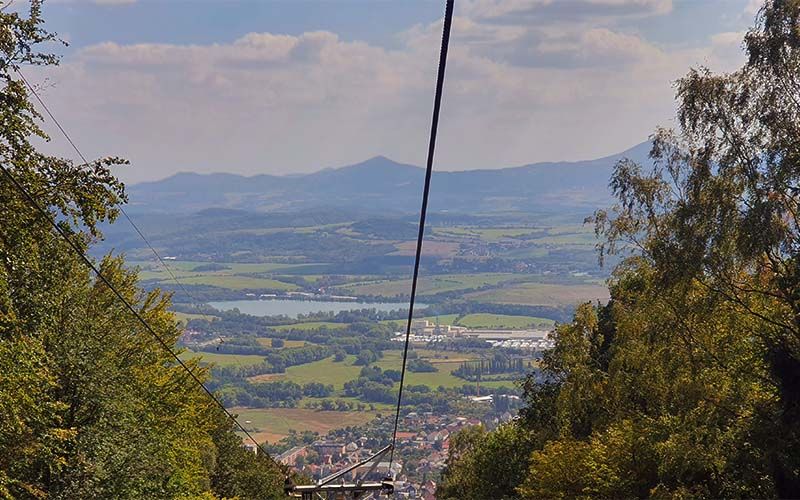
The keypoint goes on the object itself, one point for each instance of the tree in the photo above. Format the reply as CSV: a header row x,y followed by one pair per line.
x,y
485,465
91,404
686,383
365,358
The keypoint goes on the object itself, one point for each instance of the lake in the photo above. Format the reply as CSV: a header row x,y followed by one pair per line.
x,y
292,308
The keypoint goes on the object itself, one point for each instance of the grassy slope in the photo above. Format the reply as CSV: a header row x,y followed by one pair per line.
x,y
272,424
236,282
542,294
329,372
224,359
429,284
312,325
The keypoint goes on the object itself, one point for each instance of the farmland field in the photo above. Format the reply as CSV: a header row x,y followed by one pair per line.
x,y
329,372
311,325
236,282
223,359
267,342
544,294
185,266
430,284
482,320
326,371
392,360
273,424
186,317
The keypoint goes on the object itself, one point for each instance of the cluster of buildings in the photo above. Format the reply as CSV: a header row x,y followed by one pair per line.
x,y
431,435
424,331
323,458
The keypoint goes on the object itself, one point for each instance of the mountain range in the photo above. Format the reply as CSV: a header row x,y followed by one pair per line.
x,y
380,185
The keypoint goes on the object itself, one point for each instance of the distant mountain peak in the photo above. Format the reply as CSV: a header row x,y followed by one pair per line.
x,y
381,184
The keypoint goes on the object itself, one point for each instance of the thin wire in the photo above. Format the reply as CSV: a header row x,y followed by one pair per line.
x,y
127,304
121,209
437,102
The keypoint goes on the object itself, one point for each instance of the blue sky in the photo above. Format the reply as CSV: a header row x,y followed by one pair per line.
x,y
294,86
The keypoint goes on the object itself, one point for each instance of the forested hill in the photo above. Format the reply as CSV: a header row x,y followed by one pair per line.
x,y
381,184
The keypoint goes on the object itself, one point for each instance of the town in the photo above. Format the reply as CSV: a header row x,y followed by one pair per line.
x,y
426,446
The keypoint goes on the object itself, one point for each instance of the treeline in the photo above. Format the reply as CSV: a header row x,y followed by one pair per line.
x,y
274,362
236,321
373,385
498,364
278,394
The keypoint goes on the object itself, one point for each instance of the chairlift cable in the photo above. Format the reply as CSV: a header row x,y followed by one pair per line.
x,y
32,201
195,302
448,21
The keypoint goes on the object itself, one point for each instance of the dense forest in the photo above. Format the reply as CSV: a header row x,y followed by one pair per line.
x,y
687,383
91,404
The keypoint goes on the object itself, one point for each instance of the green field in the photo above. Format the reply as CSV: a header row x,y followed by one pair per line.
x,y
311,325
564,235
186,317
542,294
482,320
392,360
488,235
329,372
429,285
235,276
272,424
236,282
223,359
267,342
326,371
184,266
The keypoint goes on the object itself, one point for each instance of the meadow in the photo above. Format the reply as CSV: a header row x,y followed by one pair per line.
x,y
311,325
236,282
328,371
273,424
542,294
430,285
287,344
223,359
503,321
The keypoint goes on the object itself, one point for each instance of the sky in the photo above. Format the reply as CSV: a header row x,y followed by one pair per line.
x,y
294,86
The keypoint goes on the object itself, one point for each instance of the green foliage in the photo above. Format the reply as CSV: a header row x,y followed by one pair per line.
x,y
685,385
421,366
485,465
91,405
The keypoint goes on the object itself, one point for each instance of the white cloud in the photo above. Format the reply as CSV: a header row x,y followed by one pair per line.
x,y
516,92
752,7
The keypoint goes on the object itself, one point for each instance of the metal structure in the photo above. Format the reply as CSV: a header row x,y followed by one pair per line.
x,y
328,488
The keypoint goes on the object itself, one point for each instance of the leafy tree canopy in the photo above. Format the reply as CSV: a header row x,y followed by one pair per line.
x,y
91,406
687,383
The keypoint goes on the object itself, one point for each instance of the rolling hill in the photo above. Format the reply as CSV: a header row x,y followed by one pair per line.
x,y
380,185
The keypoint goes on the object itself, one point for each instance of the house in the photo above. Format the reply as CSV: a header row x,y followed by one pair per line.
x,y
289,457
329,448
382,469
